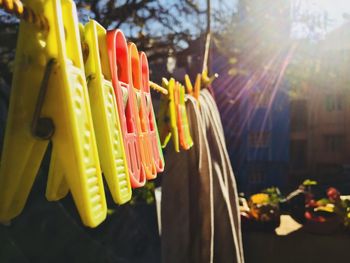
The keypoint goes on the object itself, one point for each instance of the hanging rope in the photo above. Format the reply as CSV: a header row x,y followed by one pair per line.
x,y
158,88
17,8
207,42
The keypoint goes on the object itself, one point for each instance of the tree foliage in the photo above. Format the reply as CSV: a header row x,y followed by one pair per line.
x,y
157,27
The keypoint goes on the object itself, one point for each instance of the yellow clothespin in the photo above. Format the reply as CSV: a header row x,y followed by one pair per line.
x,y
182,120
50,100
202,81
197,86
206,80
167,120
188,84
105,117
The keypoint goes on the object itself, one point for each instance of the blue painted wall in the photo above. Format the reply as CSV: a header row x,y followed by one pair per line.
x,y
255,167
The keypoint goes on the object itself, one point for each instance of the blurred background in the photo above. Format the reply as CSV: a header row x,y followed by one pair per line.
x,y
284,96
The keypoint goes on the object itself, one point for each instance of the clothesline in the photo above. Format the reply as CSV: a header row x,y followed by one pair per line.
x,y
105,123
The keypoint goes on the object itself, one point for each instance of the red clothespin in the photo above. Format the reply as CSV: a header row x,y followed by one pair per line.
x,y
120,68
157,152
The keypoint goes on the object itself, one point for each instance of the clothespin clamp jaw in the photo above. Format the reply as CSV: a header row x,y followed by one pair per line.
x,y
118,55
157,152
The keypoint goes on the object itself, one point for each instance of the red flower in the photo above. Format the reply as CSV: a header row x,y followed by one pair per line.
x,y
333,194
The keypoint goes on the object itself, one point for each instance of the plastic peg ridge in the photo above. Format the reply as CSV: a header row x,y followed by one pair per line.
x,y
157,151
66,103
105,116
140,111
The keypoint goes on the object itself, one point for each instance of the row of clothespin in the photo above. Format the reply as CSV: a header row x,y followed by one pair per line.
x,y
87,91
172,116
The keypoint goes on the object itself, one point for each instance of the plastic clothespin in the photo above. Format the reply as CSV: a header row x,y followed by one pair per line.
x,y
202,80
197,87
140,112
119,59
163,118
182,120
193,91
50,94
105,117
167,116
188,84
152,124
206,80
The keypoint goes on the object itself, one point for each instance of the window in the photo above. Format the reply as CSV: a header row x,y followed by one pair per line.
x,y
259,139
256,177
298,154
298,115
334,103
327,169
257,174
334,143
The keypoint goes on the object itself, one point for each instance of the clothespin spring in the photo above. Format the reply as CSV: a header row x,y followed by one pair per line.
x,y
43,128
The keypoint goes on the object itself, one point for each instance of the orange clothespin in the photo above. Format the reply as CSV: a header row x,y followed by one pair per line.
x,y
197,87
119,58
152,124
188,84
140,111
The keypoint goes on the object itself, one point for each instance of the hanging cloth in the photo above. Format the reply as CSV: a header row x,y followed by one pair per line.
x,y
186,208
227,226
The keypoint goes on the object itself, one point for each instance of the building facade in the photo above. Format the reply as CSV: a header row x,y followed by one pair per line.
x,y
255,113
320,117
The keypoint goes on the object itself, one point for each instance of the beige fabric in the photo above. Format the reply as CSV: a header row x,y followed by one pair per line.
x,y
227,226
186,208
